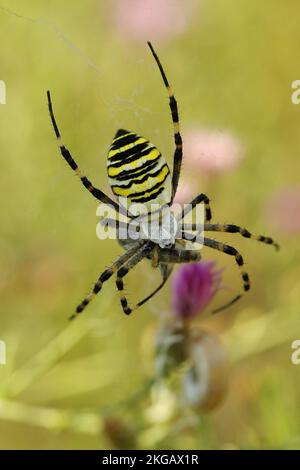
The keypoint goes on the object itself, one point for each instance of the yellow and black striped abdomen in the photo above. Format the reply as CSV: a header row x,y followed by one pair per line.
x,y
137,171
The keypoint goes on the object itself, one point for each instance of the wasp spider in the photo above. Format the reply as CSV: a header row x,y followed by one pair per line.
x,y
139,173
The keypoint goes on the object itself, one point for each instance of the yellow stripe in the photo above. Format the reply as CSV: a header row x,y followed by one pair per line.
x,y
152,155
147,185
161,197
136,178
141,140
176,127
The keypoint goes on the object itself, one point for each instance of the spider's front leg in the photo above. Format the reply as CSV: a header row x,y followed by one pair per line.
x,y
66,154
177,158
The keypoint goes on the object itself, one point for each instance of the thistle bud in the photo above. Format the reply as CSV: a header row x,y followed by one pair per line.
x,y
193,287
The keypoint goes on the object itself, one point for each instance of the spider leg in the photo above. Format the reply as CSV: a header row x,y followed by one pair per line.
x,y
127,227
97,193
201,198
229,250
103,278
171,256
242,231
140,254
229,228
166,271
178,256
167,257
177,159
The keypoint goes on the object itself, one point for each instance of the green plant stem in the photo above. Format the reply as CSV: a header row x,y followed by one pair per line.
x,y
242,341
51,418
22,378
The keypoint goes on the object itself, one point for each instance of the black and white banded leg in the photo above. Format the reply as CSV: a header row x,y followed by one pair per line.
x,y
230,228
97,193
200,199
105,276
229,250
140,254
177,159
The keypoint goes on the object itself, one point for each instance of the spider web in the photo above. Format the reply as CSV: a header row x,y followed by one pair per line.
x,y
115,105
129,103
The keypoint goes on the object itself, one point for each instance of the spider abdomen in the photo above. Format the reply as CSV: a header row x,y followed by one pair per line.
x,y
138,171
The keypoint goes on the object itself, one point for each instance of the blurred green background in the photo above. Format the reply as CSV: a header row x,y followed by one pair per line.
x,y
231,65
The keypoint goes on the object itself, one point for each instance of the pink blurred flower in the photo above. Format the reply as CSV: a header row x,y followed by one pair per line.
x,y
184,193
152,19
283,210
212,151
193,287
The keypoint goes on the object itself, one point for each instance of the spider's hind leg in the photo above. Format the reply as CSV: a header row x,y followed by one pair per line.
x,y
230,228
229,250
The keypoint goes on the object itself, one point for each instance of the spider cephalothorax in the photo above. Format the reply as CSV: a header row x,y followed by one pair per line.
x,y
139,173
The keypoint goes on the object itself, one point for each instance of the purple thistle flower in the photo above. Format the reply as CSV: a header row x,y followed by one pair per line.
x,y
193,287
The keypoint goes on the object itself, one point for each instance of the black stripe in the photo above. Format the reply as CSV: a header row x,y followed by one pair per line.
x,y
141,193
121,132
178,139
149,198
245,233
122,141
142,180
132,158
230,250
122,272
126,174
86,182
239,259
67,156
159,64
106,275
97,287
81,306
129,152
57,133
174,110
